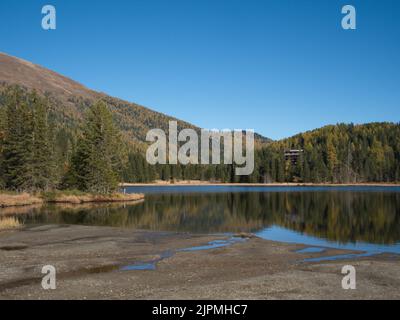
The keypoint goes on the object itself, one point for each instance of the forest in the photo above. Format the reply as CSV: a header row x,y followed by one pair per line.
x,y
342,153
40,153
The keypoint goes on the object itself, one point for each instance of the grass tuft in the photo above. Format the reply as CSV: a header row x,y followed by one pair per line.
x,y
9,223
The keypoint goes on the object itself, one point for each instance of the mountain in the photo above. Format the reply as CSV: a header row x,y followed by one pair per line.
x,y
69,100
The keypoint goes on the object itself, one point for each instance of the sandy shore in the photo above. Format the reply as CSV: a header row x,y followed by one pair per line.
x,y
88,262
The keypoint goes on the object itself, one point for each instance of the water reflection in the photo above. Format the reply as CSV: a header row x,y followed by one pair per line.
x,y
339,216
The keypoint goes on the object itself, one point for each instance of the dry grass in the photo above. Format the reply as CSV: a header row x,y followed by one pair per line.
x,y
9,223
23,199
87,198
72,197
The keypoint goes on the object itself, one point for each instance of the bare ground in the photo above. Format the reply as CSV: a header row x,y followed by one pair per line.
x,y
88,261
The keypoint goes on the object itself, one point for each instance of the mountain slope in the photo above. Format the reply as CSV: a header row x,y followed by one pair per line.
x,y
341,153
69,100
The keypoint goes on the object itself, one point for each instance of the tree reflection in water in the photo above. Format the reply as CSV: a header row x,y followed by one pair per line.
x,y
335,215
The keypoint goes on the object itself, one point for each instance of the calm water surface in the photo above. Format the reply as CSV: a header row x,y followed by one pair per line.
x,y
354,218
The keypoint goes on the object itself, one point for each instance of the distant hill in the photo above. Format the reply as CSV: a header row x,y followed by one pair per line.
x,y
69,99
341,153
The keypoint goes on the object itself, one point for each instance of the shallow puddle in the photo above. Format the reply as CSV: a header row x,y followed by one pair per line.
x,y
151,265
311,250
280,234
215,244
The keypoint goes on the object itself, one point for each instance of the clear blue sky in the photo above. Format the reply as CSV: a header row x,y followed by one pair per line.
x,y
279,67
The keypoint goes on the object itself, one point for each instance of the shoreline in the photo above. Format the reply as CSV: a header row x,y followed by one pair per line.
x,y
93,263
205,183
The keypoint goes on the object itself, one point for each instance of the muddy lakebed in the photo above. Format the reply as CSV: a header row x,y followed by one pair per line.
x,y
229,235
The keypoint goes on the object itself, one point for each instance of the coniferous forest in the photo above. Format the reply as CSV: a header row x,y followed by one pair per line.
x,y
40,153
342,153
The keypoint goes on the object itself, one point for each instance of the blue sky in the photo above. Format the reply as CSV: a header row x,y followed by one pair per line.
x,y
279,67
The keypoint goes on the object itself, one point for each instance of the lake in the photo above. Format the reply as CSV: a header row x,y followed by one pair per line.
x,y
353,218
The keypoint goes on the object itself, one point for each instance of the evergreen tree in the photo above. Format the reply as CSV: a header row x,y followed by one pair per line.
x,y
27,155
99,158
3,126
43,164
18,147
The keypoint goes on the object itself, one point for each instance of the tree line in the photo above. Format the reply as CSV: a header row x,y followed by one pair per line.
x,y
37,155
342,153
38,152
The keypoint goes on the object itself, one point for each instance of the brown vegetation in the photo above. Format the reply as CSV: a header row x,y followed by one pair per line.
x,y
23,199
9,223
87,198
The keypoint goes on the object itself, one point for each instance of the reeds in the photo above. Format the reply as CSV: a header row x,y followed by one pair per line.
x,y
9,223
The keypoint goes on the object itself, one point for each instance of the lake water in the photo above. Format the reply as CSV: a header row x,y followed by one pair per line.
x,y
353,218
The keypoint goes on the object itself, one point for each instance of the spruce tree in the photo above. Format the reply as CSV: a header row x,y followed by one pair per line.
x,y
18,148
26,148
43,165
99,157
3,126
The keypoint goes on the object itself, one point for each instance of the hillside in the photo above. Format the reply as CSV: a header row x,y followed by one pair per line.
x,y
339,153
70,99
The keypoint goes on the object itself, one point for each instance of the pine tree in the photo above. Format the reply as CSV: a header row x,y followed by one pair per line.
x,y
43,165
18,147
3,126
26,155
99,158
